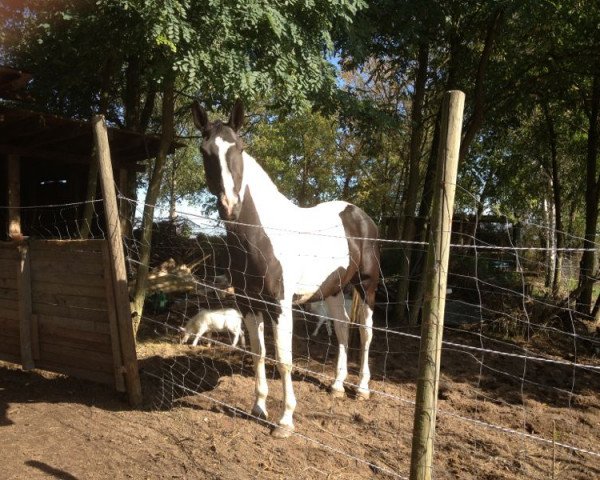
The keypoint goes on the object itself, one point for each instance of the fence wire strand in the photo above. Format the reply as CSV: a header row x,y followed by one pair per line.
x,y
503,328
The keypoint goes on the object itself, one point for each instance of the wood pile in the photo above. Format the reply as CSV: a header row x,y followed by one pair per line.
x,y
170,277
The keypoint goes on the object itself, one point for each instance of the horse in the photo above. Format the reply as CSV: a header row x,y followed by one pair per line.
x,y
283,255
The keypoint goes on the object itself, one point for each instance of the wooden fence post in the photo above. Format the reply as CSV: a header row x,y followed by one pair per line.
x,y
115,248
25,308
14,197
90,196
434,300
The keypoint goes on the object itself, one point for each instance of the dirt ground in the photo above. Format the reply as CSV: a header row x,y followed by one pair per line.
x,y
192,423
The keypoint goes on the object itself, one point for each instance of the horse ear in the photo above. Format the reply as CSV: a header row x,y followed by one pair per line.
x,y
200,116
236,120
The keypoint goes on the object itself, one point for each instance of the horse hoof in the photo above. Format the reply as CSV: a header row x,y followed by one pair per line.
x,y
335,393
362,395
282,431
259,413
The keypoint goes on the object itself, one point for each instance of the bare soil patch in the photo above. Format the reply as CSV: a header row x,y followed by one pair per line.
x,y
193,425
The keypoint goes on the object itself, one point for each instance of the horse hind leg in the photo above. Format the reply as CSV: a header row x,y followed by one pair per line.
x,y
366,286
341,321
255,325
366,335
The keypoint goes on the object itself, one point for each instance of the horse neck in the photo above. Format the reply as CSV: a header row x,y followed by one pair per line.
x,y
265,193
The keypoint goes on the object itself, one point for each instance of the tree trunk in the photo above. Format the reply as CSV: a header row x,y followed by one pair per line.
x,y
92,180
588,259
557,197
303,195
107,73
417,258
132,94
129,204
151,198
173,191
146,114
596,315
351,171
414,160
133,121
477,117
172,207
549,239
473,125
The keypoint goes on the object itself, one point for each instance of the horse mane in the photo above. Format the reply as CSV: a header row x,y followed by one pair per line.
x,y
256,176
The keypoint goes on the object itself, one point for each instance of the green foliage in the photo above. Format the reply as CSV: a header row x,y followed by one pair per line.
x,y
114,55
543,53
218,49
276,56
315,157
184,177
300,153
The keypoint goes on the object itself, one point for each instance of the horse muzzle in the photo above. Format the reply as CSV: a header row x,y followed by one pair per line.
x,y
228,209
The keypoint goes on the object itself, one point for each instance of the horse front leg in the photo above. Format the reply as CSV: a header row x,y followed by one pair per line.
x,y
256,331
341,321
282,330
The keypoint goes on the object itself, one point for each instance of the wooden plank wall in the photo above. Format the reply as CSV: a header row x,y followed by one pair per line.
x,y
10,346
73,326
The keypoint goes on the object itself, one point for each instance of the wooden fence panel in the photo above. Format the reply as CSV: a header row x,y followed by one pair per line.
x,y
72,321
10,345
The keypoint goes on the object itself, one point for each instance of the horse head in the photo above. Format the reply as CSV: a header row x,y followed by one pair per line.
x,y
222,150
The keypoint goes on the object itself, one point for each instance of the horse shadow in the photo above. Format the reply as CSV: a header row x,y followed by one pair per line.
x,y
189,379
167,381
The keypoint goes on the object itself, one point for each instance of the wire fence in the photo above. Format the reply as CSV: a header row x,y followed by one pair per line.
x,y
520,376
518,364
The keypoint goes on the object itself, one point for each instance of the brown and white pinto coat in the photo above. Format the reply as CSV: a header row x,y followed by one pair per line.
x,y
281,254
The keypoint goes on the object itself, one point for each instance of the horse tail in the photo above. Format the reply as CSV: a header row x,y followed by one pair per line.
x,y
357,310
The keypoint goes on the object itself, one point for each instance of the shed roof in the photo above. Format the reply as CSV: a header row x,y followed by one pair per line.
x,y
13,82
48,137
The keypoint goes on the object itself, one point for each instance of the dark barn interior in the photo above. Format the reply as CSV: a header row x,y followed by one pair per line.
x,y
48,158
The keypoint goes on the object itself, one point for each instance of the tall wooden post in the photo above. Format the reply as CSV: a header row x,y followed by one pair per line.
x,y
25,307
115,248
14,197
124,207
23,270
88,209
434,300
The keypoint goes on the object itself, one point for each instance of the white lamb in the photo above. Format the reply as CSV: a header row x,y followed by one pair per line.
x,y
206,321
320,309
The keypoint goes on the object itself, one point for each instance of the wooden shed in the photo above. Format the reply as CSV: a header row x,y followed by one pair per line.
x,y
62,306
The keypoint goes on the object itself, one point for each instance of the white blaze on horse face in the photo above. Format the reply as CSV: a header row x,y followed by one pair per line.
x,y
228,198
